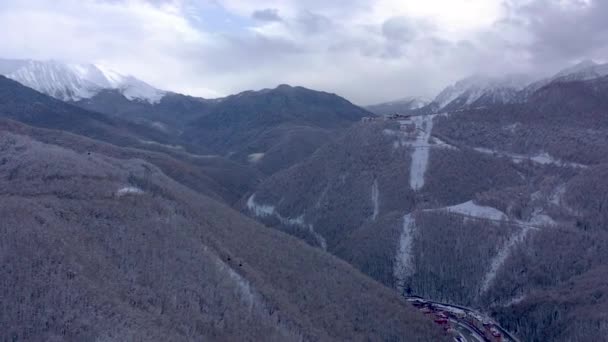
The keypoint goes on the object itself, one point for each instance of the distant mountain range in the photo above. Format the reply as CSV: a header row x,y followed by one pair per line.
x,y
482,90
406,105
110,231
290,214
74,82
269,129
489,206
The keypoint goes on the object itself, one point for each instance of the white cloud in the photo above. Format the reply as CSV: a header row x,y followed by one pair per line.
x,y
365,50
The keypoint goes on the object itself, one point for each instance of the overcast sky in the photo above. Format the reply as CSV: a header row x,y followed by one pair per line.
x,y
366,50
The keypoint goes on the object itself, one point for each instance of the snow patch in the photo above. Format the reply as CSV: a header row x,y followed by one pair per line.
x,y
513,127
420,155
172,147
477,211
452,309
542,158
515,300
255,157
244,287
258,209
262,211
129,190
558,195
502,256
541,220
404,258
440,143
375,200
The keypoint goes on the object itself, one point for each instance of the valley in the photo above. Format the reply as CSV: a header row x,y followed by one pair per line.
x,y
477,216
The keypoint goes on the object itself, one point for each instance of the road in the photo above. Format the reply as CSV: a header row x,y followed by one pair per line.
x,y
465,324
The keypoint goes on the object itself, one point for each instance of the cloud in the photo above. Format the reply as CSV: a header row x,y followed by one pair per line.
x,y
562,31
398,29
312,23
268,14
368,51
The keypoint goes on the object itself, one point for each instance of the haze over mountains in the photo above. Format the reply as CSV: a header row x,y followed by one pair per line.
x,y
482,90
132,213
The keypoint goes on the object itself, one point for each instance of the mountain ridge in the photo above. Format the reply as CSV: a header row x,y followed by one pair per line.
x,y
74,82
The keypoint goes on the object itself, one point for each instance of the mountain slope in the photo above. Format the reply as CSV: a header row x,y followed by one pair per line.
x,y
480,90
258,126
26,105
402,106
489,207
171,114
98,248
73,82
583,71
51,119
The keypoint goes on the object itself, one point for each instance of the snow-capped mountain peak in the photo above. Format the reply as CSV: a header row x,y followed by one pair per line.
x,y
584,70
471,89
401,106
74,82
412,102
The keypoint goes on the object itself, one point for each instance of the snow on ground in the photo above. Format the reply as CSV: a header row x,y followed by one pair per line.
x,y
261,210
404,259
477,211
392,133
512,127
375,200
420,155
246,293
129,190
515,300
558,195
452,309
419,140
255,157
172,147
542,158
440,143
502,256
539,219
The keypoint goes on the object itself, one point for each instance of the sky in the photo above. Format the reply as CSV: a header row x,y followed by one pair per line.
x,y
368,51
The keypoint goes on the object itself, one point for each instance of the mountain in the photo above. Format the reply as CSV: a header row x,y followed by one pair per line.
x,y
96,247
402,106
268,129
583,71
281,215
74,82
480,90
26,105
477,91
171,114
488,207
53,119
272,128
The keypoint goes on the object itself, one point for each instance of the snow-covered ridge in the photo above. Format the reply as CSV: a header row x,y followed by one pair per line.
x,y
412,102
471,89
512,88
74,82
583,71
